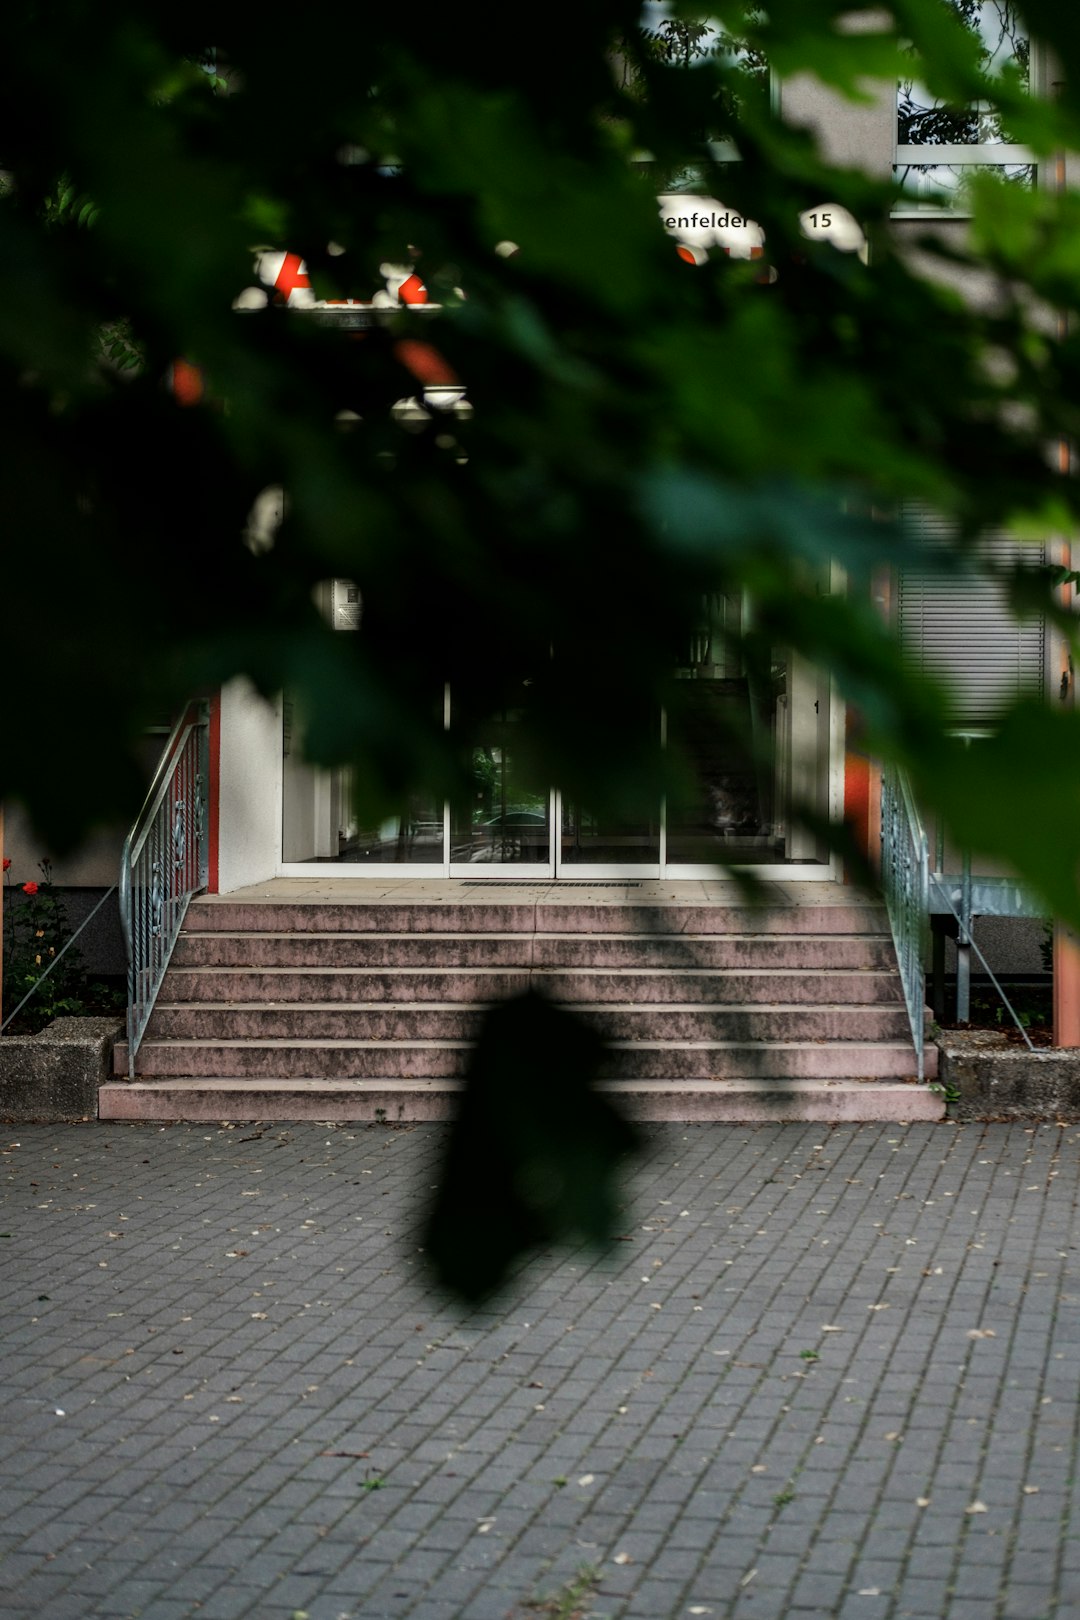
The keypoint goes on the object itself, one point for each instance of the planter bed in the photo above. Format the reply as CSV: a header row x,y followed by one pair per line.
x,y
54,1076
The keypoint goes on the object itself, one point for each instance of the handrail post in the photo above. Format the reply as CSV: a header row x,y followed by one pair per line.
x,y
963,945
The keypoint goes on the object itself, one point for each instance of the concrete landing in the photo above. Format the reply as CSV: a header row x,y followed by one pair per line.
x,y
565,892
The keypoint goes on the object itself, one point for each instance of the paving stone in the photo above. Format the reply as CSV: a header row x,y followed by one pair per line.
x,y
135,1499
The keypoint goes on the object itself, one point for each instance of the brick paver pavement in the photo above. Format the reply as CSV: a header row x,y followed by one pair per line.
x,y
826,1372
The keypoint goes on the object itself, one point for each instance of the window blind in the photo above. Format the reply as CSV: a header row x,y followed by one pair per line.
x,y
959,628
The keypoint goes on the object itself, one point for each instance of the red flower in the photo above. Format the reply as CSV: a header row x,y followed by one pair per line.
x,y
29,888
7,862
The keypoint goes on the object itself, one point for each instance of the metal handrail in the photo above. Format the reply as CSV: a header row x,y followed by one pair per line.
x,y
905,877
165,861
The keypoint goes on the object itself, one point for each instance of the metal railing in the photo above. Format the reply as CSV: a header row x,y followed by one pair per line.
x,y
165,862
914,890
963,896
965,944
905,878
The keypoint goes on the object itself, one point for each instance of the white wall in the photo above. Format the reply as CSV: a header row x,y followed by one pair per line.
x,y
249,822
851,134
96,864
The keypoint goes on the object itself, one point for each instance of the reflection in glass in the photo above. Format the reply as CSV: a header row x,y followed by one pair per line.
x,y
626,839
934,186
1003,44
414,836
624,829
969,139
746,735
506,818
685,43
320,822
720,806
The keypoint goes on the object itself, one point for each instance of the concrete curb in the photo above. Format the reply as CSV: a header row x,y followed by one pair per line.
x,y
54,1076
985,1077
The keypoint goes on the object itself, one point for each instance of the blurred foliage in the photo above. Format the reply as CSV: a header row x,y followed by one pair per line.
x,y
644,434
998,37
535,1151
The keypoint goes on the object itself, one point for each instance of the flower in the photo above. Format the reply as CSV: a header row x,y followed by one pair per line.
x,y
29,888
7,862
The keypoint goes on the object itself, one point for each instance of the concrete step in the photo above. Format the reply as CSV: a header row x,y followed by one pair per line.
x,y
446,1059
360,1101
428,1021
688,952
330,1010
722,986
478,917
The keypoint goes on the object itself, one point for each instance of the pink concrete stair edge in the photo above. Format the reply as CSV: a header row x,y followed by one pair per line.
x,y
365,1008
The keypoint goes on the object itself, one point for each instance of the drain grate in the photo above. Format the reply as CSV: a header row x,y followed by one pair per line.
x,y
547,883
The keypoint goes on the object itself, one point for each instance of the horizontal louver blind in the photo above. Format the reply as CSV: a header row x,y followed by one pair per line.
x,y
960,629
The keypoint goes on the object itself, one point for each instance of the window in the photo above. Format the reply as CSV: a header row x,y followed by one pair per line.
x,y
938,148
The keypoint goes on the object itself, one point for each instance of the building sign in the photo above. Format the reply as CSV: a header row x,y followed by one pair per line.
x,y
702,224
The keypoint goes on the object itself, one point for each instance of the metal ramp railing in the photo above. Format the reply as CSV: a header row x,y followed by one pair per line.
x,y
916,890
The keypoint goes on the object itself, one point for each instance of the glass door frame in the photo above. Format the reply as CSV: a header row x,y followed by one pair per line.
x,y
823,759
584,871
480,871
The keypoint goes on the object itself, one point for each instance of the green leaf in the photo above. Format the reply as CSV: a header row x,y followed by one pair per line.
x,y
533,1152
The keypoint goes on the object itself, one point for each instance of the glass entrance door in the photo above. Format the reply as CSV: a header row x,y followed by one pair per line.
x,y
502,826
747,756
724,806
598,844
750,782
